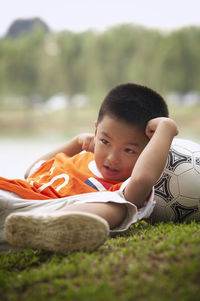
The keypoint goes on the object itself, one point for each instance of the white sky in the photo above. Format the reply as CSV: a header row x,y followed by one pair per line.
x,y
80,15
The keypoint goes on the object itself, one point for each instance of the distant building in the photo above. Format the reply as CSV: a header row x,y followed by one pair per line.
x,y
22,27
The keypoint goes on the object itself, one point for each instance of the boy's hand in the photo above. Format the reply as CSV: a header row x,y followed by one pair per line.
x,y
153,124
86,141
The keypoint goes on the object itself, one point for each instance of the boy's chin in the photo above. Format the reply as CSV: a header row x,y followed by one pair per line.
x,y
113,177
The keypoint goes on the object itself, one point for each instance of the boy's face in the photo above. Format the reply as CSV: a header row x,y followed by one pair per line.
x,y
117,147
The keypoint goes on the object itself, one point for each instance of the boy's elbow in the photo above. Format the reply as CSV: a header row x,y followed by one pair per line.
x,y
145,181
139,189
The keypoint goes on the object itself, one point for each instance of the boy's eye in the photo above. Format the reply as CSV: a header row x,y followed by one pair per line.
x,y
104,141
130,151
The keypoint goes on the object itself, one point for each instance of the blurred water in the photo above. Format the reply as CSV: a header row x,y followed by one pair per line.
x,y
16,155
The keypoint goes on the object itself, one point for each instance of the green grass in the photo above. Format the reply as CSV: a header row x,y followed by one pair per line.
x,y
148,262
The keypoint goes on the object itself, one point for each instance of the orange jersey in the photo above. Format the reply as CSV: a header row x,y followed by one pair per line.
x,y
61,176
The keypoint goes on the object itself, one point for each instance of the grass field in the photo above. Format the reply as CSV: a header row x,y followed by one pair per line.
x,y
148,262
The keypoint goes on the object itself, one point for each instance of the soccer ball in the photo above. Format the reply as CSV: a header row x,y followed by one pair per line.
x,y
177,192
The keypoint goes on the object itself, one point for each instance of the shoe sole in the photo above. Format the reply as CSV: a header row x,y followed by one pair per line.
x,y
56,231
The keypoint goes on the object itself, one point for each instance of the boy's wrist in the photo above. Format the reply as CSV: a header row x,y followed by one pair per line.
x,y
170,125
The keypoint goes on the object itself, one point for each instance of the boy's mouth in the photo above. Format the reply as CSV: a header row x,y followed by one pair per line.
x,y
110,171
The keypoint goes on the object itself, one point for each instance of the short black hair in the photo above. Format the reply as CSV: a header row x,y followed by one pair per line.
x,y
134,104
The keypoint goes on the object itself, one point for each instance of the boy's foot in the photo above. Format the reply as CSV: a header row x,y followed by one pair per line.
x,y
11,203
56,231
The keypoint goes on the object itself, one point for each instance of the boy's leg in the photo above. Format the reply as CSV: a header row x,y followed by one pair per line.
x,y
113,213
66,228
73,227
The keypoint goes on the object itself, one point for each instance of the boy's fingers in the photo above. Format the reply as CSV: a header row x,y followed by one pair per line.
x,y
149,133
88,144
85,145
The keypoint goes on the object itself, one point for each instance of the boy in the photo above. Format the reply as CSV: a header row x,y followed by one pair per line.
x,y
106,188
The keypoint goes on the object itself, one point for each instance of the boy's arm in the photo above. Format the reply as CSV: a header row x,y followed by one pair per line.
x,y
74,146
151,161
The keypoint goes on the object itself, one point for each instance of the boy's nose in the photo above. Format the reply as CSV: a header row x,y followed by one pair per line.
x,y
113,157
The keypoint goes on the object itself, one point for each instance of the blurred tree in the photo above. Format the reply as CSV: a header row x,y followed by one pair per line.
x,y
179,61
93,62
20,59
71,63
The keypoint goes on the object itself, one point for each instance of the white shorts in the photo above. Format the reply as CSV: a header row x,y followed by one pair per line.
x,y
15,203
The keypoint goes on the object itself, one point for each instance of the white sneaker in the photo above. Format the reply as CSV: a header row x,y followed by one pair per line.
x,y
56,231
11,203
